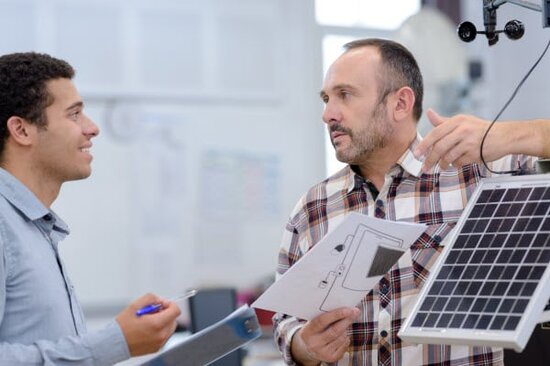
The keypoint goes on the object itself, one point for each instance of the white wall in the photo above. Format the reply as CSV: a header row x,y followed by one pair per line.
x,y
210,133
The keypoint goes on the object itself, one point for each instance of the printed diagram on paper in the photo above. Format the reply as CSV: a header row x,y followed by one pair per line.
x,y
342,268
367,245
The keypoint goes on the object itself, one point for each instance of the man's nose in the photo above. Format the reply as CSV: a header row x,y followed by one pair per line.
x,y
90,127
331,113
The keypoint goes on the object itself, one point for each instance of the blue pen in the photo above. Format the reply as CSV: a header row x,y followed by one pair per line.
x,y
153,308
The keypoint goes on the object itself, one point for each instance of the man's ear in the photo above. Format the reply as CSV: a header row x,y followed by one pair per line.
x,y
20,130
404,103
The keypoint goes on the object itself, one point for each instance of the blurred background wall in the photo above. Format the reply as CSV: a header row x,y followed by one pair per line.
x,y
211,121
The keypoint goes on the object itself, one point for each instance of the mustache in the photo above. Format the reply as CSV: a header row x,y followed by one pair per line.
x,y
339,128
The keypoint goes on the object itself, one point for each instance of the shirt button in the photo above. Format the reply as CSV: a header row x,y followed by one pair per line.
x,y
383,289
383,334
437,239
379,203
48,217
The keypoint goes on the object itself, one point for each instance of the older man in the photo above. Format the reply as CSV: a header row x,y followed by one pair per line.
x,y
373,101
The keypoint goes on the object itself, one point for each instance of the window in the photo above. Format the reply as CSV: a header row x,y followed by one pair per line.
x,y
376,14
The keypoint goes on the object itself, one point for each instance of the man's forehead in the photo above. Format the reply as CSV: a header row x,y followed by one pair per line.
x,y
63,90
353,68
360,57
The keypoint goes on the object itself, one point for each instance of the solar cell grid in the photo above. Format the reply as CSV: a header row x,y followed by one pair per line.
x,y
515,209
491,271
523,194
502,210
472,241
482,271
511,194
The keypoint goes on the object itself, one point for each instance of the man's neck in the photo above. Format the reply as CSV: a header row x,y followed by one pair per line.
x,y
44,188
379,163
375,168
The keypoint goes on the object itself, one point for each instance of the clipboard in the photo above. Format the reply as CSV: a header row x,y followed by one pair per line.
x,y
210,344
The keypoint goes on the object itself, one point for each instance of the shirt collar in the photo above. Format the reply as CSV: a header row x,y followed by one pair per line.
x,y
353,180
407,161
27,203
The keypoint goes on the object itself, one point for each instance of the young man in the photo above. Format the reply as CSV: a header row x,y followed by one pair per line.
x,y
45,141
373,100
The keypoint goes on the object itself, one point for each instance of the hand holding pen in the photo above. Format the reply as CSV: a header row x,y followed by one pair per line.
x,y
153,308
147,334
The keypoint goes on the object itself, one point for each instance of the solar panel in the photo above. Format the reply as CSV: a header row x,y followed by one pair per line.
x,y
491,284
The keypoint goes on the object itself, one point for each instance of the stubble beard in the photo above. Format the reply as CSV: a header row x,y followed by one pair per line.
x,y
374,136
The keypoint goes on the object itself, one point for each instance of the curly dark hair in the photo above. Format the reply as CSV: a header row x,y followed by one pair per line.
x,y
23,89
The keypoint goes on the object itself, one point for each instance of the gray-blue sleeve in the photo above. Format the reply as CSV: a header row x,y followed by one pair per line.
x,y
104,347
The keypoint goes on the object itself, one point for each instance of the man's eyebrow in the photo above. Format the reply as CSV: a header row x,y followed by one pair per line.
x,y
78,104
337,87
343,86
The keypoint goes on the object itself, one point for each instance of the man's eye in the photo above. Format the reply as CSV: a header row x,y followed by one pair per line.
x,y
74,115
344,94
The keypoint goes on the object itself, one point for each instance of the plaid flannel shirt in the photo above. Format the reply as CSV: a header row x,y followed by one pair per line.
x,y
436,198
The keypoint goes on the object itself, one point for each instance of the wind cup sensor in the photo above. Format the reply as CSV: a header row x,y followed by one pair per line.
x,y
514,29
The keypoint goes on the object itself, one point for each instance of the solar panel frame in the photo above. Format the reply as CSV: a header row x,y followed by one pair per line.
x,y
545,317
466,266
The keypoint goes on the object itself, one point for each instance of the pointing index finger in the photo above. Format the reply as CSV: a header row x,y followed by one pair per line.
x,y
432,147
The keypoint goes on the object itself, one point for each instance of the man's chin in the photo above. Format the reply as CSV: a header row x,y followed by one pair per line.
x,y
80,175
343,158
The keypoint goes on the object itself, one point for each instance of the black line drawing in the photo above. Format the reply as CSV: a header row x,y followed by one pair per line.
x,y
379,249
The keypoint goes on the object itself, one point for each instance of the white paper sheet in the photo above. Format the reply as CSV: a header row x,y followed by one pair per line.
x,y
342,268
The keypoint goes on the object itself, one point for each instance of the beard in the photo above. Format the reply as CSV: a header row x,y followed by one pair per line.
x,y
363,142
